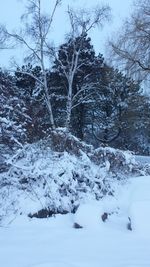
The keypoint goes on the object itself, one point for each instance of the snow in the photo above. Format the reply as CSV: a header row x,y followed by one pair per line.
x,y
140,206
89,215
143,159
54,242
140,211
40,178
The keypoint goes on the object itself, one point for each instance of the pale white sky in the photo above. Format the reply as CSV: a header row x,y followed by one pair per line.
x,y
11,11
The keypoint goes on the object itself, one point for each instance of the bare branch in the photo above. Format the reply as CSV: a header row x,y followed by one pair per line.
x,y
132,47
34,37
81,23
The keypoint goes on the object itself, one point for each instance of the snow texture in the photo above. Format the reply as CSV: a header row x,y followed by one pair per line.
x,y
39,178
111,209
53,242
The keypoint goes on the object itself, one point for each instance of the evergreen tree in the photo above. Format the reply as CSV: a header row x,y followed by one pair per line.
x,y
81,91
13,115
111,99
33,95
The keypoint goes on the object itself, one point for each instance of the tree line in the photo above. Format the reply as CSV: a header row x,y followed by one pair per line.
x,y
80,91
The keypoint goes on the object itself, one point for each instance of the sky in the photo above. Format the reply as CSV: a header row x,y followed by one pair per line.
x,y
11,10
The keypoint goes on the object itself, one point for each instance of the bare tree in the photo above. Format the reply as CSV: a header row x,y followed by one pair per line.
x,y
34,37
132,47
81,23
3,38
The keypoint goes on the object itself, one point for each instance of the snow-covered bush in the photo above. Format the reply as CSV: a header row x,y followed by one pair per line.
x,y
57,181
42,181
59,173
115,160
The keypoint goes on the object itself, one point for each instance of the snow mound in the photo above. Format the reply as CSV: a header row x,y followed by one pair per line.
x,y
140,205
140,214
89,215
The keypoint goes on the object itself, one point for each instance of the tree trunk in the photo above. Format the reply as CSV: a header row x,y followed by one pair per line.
x,y
69,105
68,111
48,103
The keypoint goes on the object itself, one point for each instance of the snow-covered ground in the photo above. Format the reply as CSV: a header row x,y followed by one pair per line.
x,y
143,159
54,242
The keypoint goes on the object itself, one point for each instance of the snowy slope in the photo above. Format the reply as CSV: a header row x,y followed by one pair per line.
x,y
54,242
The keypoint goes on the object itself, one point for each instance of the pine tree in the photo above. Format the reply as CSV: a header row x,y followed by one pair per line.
x,y
13,115
81,92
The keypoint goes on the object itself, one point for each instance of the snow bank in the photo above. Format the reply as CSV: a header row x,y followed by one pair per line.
x,y
53,242
140,215
140,205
